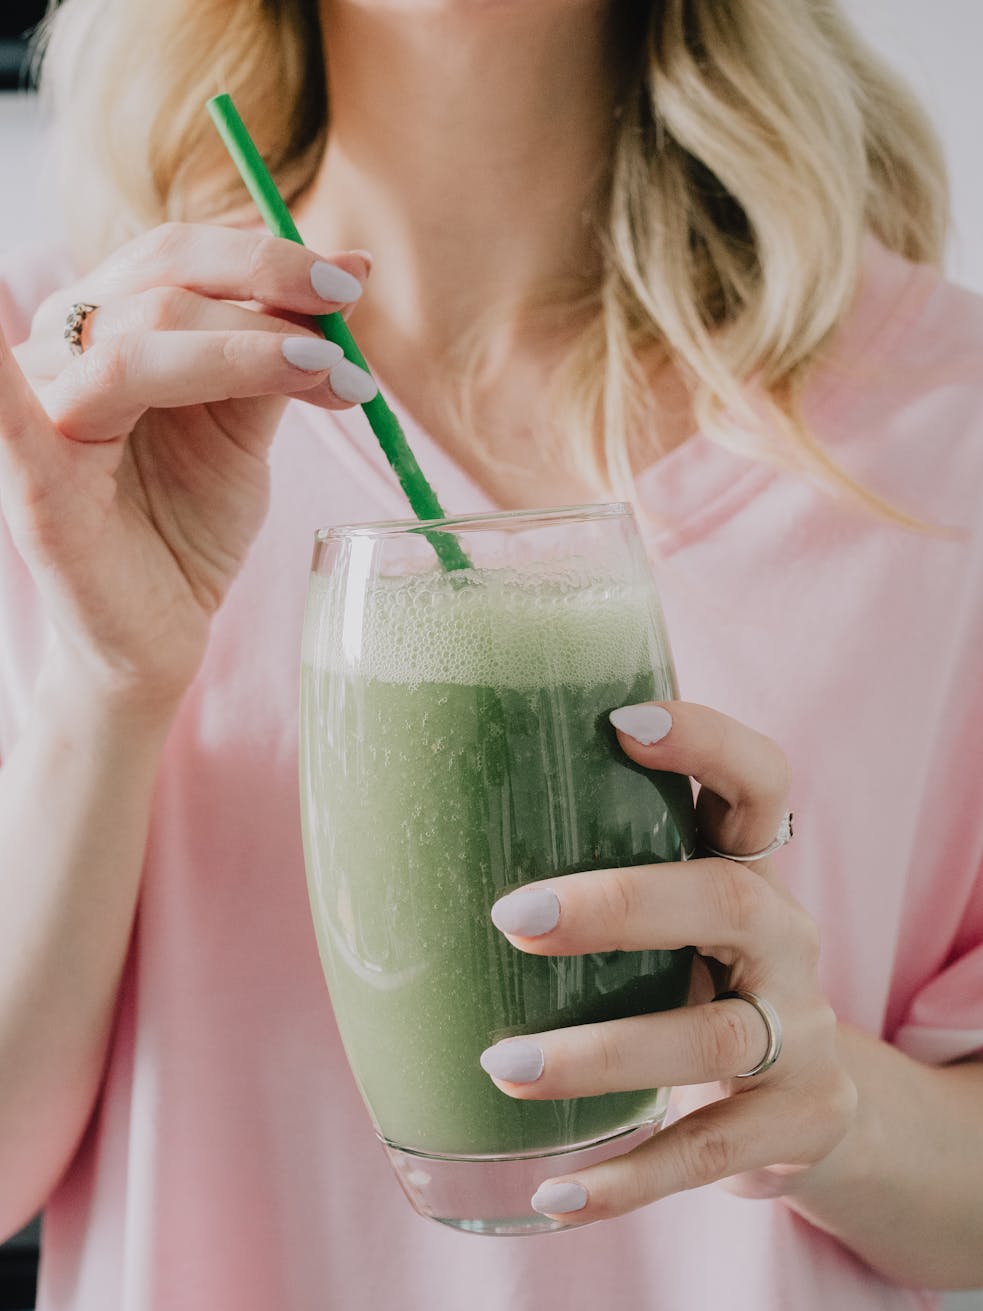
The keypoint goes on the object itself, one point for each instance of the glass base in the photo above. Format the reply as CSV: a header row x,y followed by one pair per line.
x,y
491,1194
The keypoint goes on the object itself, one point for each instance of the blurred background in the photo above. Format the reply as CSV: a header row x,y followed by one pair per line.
x,y
935,45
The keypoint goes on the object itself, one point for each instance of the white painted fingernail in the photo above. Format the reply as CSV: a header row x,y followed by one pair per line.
x,y
515,1059
527,913
333,284
646,724
559,1199
350,383
311,353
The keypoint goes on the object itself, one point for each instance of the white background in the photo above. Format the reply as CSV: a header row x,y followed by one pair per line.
x,y
937,44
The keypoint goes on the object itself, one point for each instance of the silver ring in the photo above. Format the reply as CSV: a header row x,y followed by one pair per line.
x,y
75,324
783,835
772,1023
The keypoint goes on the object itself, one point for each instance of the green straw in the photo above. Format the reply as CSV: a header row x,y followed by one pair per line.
x,y
254,173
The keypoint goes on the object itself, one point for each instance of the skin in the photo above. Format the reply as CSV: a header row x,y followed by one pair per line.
x,y
482,189
134,480
867,1144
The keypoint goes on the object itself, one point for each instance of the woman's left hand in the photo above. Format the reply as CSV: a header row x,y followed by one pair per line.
x,y
786,1119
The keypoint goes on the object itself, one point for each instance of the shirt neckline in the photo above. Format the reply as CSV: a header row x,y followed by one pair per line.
x,y
693,489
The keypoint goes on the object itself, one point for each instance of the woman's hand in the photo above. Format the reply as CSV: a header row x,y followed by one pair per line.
x,y
786,1119
134,476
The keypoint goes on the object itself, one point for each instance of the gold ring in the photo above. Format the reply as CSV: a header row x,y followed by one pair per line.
x,y
75,323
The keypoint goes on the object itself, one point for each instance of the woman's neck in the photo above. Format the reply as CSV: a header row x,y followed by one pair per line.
x,y
467,150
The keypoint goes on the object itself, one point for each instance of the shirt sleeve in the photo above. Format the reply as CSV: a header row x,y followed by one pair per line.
x,y
944,1020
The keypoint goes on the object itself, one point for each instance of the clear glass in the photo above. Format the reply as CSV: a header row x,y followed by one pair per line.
x,y
455,745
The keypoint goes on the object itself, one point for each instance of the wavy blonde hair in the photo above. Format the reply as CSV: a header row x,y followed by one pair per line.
x,y
758,143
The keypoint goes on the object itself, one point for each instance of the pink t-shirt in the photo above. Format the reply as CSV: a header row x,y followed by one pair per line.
x,y
230,1163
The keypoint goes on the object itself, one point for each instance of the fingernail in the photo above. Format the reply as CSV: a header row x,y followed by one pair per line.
x,y
311,353
333,284
646,724
366,255
527,913
559,1199
515,1059
350,383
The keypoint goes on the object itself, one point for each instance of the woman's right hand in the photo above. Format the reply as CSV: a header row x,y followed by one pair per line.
x,y
134,476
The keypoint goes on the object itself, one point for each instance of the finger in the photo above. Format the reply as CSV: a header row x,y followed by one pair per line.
x,y
232,264
737,1135
159,308
103,393
28,443
696,1044
743,775
175,309
726,910
216,262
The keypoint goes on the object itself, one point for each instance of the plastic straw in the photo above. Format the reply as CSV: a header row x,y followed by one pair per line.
x,y
260,185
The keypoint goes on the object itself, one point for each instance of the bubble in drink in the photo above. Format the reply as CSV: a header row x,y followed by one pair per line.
x,y
456,746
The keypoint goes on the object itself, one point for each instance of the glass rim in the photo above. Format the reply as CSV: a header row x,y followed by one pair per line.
x,y
465,522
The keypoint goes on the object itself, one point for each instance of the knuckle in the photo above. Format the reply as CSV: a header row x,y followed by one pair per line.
x,y
106,365
36,513
768,783
40,519
843,1099
265,258
743,899
167,307
233,351
777,776
52,310
826,1024
163,243
617,903
608,1057
831,1110
707,1154
723,1041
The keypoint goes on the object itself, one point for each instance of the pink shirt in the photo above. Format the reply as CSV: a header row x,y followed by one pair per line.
x,y
230,1163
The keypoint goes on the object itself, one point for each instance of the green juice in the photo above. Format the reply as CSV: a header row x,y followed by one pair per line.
x,y
455,745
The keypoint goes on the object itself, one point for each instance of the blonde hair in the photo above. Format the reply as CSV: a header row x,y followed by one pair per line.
x,y
757,145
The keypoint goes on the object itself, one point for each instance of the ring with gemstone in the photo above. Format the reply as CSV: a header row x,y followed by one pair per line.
x,y
75,324
783,835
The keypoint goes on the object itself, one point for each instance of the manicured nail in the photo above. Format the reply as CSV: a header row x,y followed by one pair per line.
x,y
516,1060
527,913
559,1199
366,255
311,353
350,383
333,284
646,724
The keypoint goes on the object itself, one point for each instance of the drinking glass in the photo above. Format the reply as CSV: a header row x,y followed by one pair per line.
x,y
455,745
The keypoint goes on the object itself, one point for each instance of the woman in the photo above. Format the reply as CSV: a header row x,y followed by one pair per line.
x,y
685,244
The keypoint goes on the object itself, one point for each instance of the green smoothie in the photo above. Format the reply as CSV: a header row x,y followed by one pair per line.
x,y
455,745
